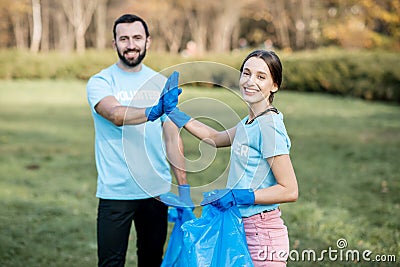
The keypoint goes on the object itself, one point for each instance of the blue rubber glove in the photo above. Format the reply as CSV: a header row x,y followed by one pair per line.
x,y
223,199
154,112
172,200
178,117
182,201
169,95
184,195
170,98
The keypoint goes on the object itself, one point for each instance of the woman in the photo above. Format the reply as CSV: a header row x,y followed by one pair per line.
x,y
261,174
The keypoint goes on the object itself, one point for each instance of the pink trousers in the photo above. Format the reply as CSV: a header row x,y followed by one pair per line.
x,y
267,239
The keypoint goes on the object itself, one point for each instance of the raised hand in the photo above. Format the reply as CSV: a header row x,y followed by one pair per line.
x,y
168,96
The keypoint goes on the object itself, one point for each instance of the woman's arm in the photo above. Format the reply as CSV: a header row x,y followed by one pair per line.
x,y
210,135
286,189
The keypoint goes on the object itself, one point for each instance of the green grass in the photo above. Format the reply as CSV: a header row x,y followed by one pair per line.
x,y
345,153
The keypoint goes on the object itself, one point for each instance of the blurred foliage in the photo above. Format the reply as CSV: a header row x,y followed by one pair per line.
x,y
365,74
217,26
371,75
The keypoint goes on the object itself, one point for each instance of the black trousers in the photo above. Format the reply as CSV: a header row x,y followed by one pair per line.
x,y
114,221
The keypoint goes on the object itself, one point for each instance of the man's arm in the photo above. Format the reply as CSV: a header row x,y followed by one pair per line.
x,y
110,108
174,147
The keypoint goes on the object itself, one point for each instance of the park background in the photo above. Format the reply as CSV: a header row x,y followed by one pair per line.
x,y
340,98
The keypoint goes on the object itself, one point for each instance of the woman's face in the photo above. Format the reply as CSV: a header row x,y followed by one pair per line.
x,y
256,83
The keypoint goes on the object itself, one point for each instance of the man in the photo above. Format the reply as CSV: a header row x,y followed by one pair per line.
x,y
129,149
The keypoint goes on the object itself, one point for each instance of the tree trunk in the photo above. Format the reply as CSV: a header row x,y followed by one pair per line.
x,y
227,18
79,14
37,26
281,24
101,24
20,32
198,15
172,38
302,22
45,42
80,39
64,39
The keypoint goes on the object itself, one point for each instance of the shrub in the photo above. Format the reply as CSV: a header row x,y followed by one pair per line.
x,y
365,74
371,75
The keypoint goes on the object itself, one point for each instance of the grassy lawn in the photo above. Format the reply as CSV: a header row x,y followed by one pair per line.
x,y
345,153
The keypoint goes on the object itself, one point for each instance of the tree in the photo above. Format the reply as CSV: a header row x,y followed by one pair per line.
x,y
363,23
63,32
18,13
45,41
199,15
101,22
382,16
172,27
37,26
280,20
226,19
167,30
79,14
42,25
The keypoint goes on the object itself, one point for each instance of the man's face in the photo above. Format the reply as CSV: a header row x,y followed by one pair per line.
x,y
131,43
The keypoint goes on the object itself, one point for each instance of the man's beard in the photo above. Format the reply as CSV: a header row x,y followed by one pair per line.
x,y
132,62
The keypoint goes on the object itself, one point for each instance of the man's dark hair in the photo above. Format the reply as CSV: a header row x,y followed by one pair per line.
x,y
129,18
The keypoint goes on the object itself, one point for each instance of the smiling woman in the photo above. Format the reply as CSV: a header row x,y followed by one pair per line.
x,y
261,77
261,175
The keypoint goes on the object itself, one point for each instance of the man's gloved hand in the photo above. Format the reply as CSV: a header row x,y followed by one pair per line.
x,y
172,200
182,201
168,99
184,195
223,199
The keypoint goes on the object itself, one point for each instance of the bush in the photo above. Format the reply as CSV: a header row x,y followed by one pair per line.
x,y
364,74
371,75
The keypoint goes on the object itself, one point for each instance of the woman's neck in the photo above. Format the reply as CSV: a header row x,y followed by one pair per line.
x,y
257,108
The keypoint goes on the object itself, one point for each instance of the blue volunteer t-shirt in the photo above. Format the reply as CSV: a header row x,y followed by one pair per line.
x,y
253,144
130,160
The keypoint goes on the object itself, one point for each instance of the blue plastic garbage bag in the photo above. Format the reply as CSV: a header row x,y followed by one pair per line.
x,y
216,239
175,255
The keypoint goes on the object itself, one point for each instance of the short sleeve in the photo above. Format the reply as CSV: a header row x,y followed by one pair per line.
x,y
97,88
274,138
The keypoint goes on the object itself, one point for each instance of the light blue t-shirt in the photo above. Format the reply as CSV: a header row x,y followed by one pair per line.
x,y
253,144
130,160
